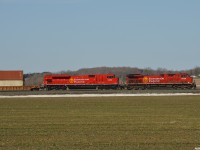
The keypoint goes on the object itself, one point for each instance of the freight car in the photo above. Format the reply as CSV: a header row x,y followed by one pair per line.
x,y
175,81
65,81
13,80
19,88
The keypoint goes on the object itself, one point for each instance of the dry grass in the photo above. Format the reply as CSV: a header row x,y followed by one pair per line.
x,y
100,123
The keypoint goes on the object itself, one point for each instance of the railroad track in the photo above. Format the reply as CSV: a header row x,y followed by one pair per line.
x,y
61,92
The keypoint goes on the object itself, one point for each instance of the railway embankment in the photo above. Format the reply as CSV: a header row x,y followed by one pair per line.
x,y
80,92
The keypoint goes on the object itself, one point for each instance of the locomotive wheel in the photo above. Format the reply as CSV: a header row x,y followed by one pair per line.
x,y
144,88
129,88
174,87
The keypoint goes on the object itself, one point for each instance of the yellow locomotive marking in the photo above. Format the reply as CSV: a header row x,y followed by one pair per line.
x,y
71,80
145,80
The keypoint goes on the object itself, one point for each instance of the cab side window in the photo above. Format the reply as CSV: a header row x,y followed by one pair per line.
x,y
183,76
110,77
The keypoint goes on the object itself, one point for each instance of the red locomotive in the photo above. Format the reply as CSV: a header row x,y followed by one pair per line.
x,y
65,81
109,81
138,81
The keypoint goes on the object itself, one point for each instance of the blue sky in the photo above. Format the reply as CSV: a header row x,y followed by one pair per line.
x,y
55,35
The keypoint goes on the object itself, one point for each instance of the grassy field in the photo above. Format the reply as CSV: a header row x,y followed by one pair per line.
x,y
160,123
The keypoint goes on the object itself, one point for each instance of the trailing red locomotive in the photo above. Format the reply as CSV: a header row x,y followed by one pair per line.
x,y
65,81
176,81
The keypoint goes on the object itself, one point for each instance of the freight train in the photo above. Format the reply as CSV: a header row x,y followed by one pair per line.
x,y
13,81
110,81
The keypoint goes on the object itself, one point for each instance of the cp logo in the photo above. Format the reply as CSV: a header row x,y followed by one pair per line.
x,y
71,80
145,80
